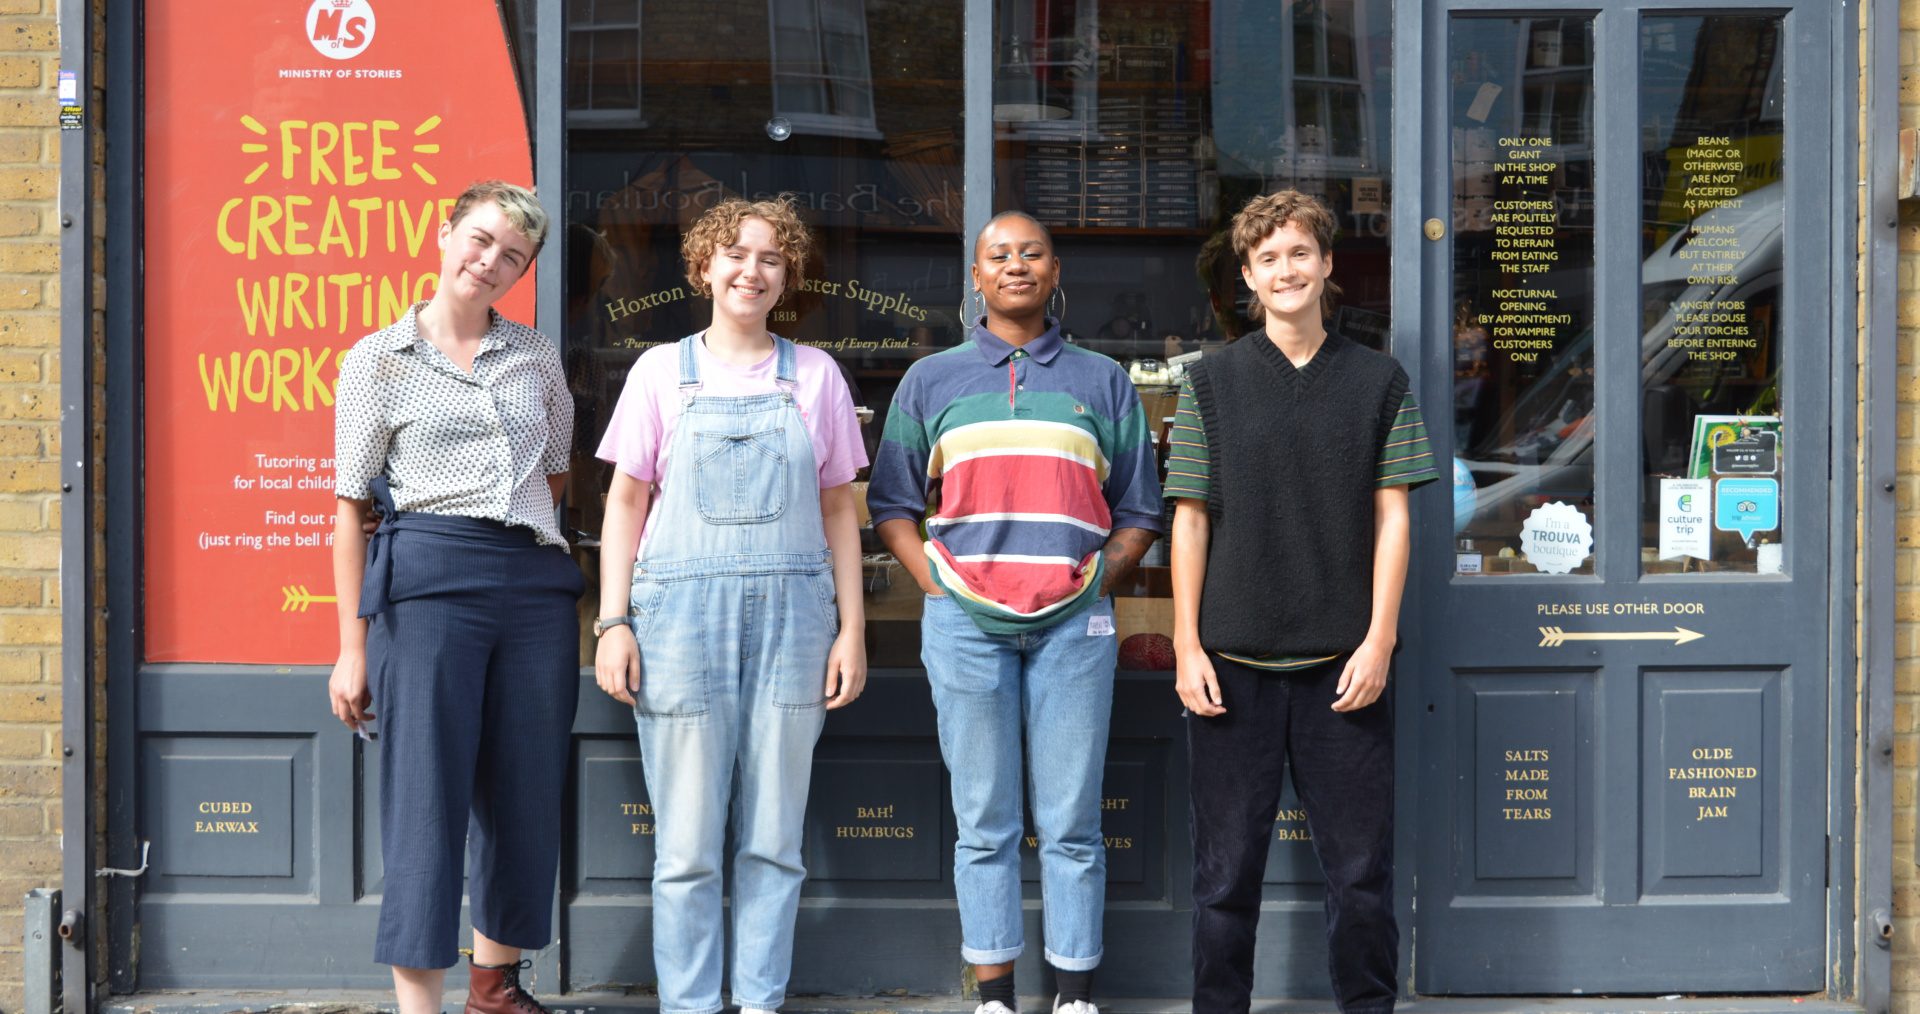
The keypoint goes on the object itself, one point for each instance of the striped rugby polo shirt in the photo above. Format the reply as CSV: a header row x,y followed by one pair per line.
x,y
1031,457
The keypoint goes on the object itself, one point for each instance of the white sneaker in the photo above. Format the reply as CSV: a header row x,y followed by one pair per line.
x,y
1074,1007
757,1010
992,1007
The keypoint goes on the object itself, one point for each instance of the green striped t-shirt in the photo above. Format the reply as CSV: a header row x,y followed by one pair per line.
x,y
1406,459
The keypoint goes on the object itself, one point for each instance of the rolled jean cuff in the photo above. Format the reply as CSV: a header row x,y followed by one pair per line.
x,y
716,1009
1066,964
973,956
773,1004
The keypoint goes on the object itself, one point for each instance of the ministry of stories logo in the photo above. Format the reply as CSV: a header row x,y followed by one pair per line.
x,y
340,29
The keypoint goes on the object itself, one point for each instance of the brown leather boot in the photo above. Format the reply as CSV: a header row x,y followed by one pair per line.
x,y
495,989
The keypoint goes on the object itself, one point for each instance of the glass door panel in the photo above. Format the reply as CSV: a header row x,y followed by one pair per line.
x,y
1712,225
1521,105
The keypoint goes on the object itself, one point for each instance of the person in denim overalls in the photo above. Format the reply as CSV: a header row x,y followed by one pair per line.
x,y
725,636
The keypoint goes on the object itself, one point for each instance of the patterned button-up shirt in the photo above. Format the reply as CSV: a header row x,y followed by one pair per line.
x,y
477,444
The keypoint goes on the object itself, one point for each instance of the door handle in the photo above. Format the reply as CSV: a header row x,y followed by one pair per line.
x,y
1435,229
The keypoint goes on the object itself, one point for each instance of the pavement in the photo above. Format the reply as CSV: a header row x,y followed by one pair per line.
x,y
295,1001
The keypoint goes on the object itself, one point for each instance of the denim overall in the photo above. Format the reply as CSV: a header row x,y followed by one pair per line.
x,y
734,611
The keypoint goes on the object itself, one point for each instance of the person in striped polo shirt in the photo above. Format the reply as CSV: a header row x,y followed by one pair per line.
x,y
1029,462
1290,459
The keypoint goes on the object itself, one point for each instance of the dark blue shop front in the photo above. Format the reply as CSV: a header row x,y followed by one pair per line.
x,y
1600,237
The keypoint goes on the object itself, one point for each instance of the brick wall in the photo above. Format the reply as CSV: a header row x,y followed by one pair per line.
x,y
29,473
1906,751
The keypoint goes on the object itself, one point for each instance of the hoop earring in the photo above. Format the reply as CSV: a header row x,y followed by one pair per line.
x,y
967,315
1061,291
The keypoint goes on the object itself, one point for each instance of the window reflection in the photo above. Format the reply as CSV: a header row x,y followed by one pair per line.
x,y
603,73
1712,165
820,80
1134,128
1523,363
853,107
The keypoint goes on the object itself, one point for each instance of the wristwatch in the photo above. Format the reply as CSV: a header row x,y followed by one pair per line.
x,y
606,623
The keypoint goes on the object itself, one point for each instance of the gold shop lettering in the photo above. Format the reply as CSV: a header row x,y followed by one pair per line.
x,y
1296,817
638,810
1527,784
882,811
1713,774
225,826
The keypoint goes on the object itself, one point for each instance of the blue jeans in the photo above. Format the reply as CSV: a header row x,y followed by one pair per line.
x,y
1054,688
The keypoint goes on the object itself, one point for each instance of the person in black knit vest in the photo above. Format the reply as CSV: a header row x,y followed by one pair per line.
x,y
1292,453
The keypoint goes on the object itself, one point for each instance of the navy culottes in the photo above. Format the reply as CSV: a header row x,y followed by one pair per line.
x,y
474,668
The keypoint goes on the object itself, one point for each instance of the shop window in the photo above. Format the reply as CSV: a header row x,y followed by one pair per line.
x,y
1135,129
603,70
851,106
821,80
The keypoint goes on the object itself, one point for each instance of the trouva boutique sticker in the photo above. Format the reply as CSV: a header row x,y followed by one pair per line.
x,y
1556,538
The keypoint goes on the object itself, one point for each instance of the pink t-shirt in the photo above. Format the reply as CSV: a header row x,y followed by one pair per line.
x,y
641,431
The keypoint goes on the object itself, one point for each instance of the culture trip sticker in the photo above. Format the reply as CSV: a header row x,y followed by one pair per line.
x,y
1683,519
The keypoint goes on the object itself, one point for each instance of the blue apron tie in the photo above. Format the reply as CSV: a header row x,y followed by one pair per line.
x,y
376,581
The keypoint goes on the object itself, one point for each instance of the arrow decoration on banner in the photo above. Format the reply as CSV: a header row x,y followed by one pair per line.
x,y
298,598
1554,637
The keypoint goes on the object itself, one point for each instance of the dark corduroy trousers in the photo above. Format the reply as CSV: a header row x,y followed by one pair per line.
x,y
1342,766
474,669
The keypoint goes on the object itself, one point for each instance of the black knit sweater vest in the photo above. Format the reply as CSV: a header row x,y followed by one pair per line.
x,y
1294,458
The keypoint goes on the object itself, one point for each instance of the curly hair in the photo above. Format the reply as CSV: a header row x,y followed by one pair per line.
x,y
1267,214
720,227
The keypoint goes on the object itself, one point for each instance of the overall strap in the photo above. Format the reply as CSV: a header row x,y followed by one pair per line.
x,y
786,369
689,367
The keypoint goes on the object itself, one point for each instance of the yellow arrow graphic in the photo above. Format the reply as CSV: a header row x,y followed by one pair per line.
x,y
1554,637
297,598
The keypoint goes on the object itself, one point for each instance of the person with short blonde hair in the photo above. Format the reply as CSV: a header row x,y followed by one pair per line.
x,y
517,203
731,618
457,623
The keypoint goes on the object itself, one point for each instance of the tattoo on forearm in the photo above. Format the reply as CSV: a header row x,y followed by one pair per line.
x,y
1124,549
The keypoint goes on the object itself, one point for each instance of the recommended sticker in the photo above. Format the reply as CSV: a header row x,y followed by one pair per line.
x,y
1746,506
1684,527
1556,538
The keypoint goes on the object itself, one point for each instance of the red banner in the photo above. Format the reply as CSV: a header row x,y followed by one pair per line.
x,y
300,156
